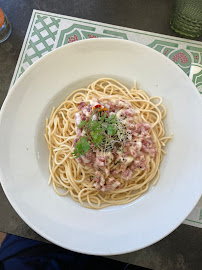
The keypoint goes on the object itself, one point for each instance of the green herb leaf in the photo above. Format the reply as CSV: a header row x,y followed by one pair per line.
x,y
112,119
97,137
94,125
111,130
82,124
103,117
81,147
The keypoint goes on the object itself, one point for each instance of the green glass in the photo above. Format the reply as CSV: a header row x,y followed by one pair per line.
x,y
187,18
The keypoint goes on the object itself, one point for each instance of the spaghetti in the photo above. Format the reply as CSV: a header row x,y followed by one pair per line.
x,y
106,144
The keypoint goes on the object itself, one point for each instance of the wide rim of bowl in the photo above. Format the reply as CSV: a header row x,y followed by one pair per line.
x,y
6,101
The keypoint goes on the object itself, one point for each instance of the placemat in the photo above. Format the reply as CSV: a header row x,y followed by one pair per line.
x,y
48,31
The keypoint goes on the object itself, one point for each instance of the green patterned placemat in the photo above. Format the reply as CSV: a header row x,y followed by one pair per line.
x,y
48,31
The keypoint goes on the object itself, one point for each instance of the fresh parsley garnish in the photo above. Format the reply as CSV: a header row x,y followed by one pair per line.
x,y
111,130
82,124
81,147
99,134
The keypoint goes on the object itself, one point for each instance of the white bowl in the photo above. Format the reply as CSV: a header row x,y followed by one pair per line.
x,y
24,155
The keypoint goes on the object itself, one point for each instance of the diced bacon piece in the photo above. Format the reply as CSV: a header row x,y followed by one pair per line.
x,y
85,159
99,180
111,107
133,151
115,152
138,128
79,159
115,185
115,171
129,120
99,163
86,112
141,163
153,152
111,184
145,126
83,117
131,126
88,158
130,112
111,187
126,152
133,167
102,181
145,148
101,158
127,174
90,155
81,105
122,104
97,186
97,176
147,142
111,180
104,157
149,147
109,157
79,133
89,108
150,150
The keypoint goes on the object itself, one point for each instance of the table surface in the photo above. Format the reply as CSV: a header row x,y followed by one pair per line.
x,y
182,249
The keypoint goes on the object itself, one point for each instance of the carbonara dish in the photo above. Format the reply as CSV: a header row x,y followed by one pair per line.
x,y
106,144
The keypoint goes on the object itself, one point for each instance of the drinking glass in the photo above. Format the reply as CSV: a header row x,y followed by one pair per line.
x,y
5,26
186,18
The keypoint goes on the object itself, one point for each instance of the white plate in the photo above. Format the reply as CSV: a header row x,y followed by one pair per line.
x,y
24,155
